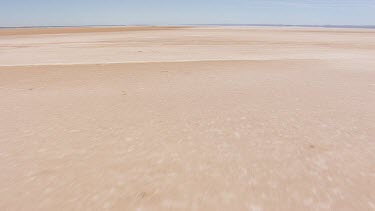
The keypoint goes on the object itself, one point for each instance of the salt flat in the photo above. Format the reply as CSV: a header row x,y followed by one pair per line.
x,y
187,118
181,44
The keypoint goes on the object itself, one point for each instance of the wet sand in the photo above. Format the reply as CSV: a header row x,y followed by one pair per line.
x,y
74,30
188,119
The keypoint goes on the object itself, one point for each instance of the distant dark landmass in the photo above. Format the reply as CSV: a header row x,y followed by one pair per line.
x,y
260,25
292,25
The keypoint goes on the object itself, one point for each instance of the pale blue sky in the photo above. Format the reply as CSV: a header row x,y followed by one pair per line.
x,y
164,12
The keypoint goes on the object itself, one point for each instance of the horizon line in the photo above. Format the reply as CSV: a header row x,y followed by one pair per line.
x,y
365,26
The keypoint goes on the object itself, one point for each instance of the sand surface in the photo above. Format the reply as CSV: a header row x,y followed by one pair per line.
x,y
187,119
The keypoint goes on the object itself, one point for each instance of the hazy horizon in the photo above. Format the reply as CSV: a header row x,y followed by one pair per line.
x,y
23,13
182,25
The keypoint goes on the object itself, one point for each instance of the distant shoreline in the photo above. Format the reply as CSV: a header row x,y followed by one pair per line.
x,y
239,25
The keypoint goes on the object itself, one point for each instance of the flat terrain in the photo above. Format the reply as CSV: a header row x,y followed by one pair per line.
x,y
199,118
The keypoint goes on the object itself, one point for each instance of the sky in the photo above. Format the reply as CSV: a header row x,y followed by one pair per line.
x,y
174,12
